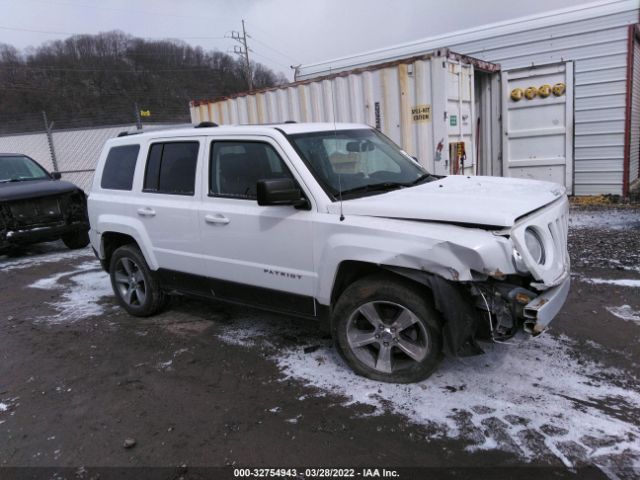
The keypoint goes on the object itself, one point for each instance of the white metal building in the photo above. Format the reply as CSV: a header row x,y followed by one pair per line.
x,y
595,47
494,96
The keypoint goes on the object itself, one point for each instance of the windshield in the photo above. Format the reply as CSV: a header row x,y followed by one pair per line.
x,y
357,162
20,168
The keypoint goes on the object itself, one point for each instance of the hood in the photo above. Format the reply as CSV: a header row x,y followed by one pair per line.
x,y
490,201
34,188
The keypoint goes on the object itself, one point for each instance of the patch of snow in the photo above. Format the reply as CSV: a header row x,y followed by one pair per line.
x,y
543,387
247,336
51,282
165,365
509,390
8,403
625,312
8,264
606,219
80,295
275,409
620,282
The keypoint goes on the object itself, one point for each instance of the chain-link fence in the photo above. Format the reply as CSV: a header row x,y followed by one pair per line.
x,y
73,153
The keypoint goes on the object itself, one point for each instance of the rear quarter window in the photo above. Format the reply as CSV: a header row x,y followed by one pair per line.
x,y
119,167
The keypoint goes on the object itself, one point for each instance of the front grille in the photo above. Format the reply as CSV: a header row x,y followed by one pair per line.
x,y
38,210
552,225
559,230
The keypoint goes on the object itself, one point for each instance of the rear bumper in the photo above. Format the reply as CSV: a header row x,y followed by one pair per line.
x,y
41,233
543,309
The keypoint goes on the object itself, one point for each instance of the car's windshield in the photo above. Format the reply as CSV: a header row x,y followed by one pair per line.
x,y
20,168
357,162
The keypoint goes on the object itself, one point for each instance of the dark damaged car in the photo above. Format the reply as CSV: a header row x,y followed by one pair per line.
x,y
36,206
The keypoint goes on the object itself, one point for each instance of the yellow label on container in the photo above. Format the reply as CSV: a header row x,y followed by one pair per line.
x,y
421,113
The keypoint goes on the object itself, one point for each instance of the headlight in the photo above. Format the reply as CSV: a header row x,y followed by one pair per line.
x,y
534,245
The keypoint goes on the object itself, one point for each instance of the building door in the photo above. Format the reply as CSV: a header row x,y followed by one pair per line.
x,y
537,118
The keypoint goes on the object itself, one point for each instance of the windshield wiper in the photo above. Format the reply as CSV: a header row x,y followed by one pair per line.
x,y
422,179
375,187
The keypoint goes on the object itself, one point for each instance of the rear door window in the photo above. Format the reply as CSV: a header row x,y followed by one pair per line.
x,y
171,168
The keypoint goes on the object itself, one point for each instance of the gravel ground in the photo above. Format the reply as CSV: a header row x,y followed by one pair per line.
x,y
205,384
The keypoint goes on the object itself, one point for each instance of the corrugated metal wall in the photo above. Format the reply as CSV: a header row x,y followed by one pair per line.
x,y
598,48
75,149
593,36
634,137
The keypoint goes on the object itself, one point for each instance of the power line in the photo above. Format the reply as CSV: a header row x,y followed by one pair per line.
x,y
113,9
133,69
275,50
270,59
51,32
270,47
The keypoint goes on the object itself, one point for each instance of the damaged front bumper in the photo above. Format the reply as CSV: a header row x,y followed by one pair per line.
x,y
509,306
541,310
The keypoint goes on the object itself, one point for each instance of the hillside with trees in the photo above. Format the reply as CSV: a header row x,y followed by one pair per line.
x,y
90,80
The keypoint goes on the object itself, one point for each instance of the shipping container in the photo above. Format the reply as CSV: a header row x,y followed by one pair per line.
x,y
427,104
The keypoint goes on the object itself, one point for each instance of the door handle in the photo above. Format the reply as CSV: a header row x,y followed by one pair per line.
x,y
146,212
216,219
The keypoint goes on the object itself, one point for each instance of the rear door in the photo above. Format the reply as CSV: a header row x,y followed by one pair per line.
x,y
537,118
167,205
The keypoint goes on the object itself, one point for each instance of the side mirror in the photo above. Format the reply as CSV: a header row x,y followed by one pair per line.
x,y
278,191
56,175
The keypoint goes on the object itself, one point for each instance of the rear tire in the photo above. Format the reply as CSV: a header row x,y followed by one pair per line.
x,y
386,329
76,240
134,284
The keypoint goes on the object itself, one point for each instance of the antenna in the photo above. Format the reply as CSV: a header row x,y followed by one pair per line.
x,y
335,137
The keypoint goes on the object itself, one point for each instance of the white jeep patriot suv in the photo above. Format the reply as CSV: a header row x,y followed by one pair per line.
x,y
336,223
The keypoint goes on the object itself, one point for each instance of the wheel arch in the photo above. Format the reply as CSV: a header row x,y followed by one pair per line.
x,y
350,271
123,228
450,298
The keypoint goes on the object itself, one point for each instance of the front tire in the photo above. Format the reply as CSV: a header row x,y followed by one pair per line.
x,y
386,329
135,285
76,240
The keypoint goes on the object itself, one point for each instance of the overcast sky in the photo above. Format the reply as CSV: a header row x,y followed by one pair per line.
x,y
283,32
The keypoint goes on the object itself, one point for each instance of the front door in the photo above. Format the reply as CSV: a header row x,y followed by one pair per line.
x,y
261,255
537,118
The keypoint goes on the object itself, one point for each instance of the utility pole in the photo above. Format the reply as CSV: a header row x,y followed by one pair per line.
x,y
243,51
52,151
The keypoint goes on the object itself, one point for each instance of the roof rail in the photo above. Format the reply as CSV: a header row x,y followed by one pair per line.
x,y
206,124
126,134
290,121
